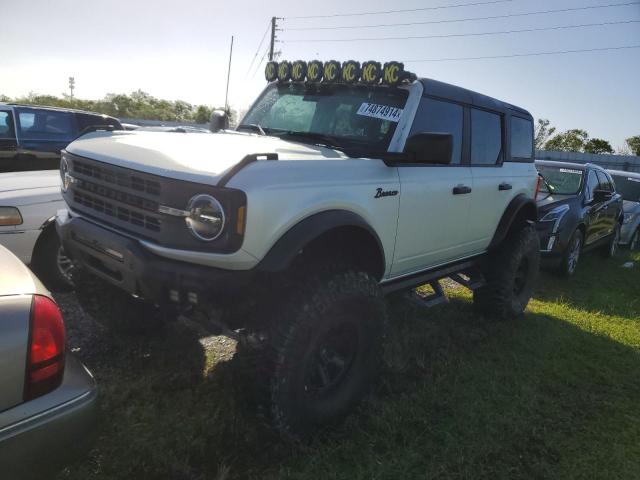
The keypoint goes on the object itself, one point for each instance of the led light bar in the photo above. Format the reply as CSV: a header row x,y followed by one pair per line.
x,y
350,72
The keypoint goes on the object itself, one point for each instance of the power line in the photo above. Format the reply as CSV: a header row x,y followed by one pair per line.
x,y
383,12
258,49
540,12
557,52
264,56
500,32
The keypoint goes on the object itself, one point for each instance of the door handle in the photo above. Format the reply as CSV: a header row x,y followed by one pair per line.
x,y
505,186
461,190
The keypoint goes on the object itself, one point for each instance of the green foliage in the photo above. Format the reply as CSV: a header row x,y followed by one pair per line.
x,y
569,141
542,133
634,144
597,145
138,104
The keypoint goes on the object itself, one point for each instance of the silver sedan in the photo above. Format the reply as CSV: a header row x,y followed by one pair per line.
x,y
47,397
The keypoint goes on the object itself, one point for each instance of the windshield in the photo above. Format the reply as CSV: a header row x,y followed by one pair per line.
x,y
356,118
561,181
628,187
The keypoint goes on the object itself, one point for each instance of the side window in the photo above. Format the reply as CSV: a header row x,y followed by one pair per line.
x,y
46,125
603,182
521,138
486,137
7,130
592,184
435,116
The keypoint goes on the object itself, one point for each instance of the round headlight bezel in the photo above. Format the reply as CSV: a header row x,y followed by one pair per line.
x,y
190,208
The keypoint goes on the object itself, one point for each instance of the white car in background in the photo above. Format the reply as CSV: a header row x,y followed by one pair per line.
x,y
28,205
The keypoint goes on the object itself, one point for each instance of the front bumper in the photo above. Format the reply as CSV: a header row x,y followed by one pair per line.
x,y
553,241
126,264
43,435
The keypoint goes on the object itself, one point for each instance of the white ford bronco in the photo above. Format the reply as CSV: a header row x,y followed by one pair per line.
x,y
343,183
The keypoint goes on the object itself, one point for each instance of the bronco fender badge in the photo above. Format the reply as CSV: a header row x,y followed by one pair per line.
x,y
385,193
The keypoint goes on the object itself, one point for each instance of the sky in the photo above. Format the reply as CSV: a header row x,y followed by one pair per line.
x,y
180,50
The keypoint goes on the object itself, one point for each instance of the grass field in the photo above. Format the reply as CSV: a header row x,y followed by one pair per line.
x,y
553,395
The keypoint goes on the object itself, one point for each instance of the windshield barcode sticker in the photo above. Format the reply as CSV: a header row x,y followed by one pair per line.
x,y
567,170
383,112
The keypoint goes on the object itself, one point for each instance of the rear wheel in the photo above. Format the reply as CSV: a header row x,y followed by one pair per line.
x,y
571,255
634,243
510,273
113,308
611,248
323,353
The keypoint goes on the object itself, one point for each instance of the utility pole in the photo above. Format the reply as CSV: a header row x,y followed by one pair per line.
x,y
72,85
273,37
226,95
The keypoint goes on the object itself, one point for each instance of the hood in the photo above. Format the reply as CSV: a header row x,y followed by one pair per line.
x,y
17,181
200,158
628,206
552,201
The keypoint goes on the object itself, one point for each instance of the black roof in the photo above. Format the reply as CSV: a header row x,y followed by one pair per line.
x,y
60,109
443,90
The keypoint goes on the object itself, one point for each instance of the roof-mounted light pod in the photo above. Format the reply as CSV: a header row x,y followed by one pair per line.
x,y
298,71
284,71
371,72
331,71
315,69
271,71
350,71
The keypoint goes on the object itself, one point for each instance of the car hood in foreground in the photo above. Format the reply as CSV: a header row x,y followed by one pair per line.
x,y
17,181
199,158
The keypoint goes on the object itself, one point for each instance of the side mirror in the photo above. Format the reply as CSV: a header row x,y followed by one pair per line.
x,y
600,196
433,148
219,121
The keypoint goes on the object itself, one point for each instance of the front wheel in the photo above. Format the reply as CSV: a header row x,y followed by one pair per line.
x,y
50,262
571,255
325,349
510,273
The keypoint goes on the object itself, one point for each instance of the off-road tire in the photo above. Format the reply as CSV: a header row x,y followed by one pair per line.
x,y
611,248
510,273
570,257
45,261
115,309
343,305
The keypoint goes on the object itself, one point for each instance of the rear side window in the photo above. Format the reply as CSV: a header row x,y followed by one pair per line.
x,y
435,116
521,138
486,137
46,125
603,182
7,130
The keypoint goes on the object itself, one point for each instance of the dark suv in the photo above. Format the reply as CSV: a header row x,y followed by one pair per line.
x,y
578,209
31,137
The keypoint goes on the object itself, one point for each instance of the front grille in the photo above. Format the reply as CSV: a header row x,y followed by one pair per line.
x,y
121,213
121,179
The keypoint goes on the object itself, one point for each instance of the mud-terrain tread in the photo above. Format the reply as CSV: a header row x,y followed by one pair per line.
x,y
496,297
303,307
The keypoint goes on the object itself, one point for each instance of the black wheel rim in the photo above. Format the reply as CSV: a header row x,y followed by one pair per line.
x,y
520,279
331,359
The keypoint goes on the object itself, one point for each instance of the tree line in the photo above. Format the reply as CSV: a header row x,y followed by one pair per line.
x,y
138,104
577,140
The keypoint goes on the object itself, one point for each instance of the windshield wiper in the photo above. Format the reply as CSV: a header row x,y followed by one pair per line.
x,y
254,127
315,138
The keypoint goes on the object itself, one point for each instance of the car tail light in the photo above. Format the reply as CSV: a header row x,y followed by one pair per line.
x,y
45,356
538,184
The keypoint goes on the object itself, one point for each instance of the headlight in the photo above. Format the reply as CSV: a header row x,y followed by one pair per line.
x,y
556,214
10,216
65,177
206,217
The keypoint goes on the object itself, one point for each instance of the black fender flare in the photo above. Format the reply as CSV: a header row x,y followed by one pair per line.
x,y
48,222
289,245
520,203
